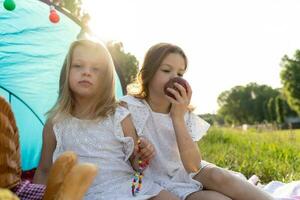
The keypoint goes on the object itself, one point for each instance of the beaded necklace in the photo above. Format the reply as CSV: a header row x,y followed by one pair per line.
x,y
138,175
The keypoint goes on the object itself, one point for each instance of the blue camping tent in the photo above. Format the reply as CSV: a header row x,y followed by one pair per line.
x,y
32,50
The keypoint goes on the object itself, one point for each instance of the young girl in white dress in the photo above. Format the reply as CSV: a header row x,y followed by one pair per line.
x,y
173,129
87,120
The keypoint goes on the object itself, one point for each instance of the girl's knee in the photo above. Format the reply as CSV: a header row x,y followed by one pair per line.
x,y
219,176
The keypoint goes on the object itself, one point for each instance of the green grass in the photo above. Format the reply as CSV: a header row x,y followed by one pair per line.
x,y
270,155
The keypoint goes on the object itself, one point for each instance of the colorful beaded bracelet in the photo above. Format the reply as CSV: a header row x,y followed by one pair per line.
x,y
138,175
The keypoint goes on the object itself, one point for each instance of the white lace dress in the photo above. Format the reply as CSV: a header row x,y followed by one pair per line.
x,y
166,168
103,144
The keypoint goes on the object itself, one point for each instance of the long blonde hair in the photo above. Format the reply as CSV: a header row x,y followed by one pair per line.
x,y
105,105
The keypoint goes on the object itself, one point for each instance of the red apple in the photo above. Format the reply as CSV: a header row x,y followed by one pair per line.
x,y
170,84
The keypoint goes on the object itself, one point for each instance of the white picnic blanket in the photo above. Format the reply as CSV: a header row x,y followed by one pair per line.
x,y
283,191
278,190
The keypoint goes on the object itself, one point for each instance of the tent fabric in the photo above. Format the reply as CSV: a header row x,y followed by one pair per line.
x,y
32,50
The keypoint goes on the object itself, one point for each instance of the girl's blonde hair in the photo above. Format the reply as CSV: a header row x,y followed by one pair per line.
x,y
152,61
106,102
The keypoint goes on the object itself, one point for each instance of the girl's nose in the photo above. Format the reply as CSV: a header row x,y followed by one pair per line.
x,y
86,72
174,75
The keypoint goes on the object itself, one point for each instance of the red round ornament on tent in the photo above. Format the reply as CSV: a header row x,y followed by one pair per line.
x,y
54,17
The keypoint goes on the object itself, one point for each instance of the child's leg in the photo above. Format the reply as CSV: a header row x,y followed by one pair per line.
x,y
165,195
207,195
221,180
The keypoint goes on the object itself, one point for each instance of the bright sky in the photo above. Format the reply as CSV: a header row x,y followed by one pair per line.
x,y
228,43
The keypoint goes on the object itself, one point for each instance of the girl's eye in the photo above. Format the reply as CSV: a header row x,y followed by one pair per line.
x,y
76,66
95,69
165,70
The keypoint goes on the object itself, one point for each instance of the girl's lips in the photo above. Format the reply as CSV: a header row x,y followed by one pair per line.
x,y
85,82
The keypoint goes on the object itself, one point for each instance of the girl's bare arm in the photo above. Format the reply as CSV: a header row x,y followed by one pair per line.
x,y
48,147
189,152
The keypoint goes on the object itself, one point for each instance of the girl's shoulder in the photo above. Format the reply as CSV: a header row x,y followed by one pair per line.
x,y
120,113
138,111
132,101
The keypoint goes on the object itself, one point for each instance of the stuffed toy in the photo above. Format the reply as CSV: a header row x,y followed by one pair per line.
x,y
67,179
10,168
6,194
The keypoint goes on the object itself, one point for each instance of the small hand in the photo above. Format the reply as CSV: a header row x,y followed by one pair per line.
x,y
145,150
182,99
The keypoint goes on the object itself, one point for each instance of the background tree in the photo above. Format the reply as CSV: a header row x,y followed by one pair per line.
x,y
127,62
283,109
247,104
230,104
73,6
290,78
271,108
212,119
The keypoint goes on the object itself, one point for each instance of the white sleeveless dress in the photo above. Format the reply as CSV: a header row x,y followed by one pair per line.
x,y
103,143
166,168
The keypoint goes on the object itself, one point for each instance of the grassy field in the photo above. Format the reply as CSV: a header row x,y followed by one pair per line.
x,y
273,155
